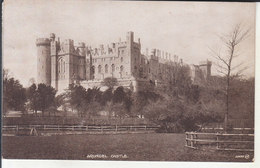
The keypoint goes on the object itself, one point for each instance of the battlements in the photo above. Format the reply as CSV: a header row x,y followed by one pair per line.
x,y
43,41
205,63
162,56
63,63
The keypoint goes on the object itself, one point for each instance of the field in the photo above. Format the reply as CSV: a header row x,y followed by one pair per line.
x,y
136,147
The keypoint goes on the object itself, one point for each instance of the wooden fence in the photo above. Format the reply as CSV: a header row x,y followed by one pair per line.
x,y
234,130
220,141
35,129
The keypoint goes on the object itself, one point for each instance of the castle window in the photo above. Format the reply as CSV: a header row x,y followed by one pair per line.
x,y
106,68
99,69
122,59
122,52
113,68
121,68
61,67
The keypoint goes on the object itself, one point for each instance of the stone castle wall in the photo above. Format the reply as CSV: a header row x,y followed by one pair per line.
x,y
63,63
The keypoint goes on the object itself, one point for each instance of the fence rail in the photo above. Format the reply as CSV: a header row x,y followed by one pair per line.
x,y
241,130
220,141
32,129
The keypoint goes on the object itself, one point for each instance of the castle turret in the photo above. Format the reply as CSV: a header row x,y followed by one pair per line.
x,y
82,49
205,66
52,37
43,61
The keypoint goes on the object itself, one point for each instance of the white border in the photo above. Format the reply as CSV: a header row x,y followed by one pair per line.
x,y
11,163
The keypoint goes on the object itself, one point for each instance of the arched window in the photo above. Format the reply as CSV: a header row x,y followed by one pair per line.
x,y
61,68
106,68
99,69
121,68
93,69
113,68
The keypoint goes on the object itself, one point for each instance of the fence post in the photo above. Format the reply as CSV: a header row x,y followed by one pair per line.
x,y
101,128
87,128
17,129
145,127
217,140
191,142
195,142
116,128
186,139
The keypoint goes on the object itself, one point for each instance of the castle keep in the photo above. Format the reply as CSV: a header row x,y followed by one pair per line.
x,y
60,64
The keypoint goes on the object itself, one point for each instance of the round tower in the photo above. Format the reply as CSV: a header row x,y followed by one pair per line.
x,y
43,61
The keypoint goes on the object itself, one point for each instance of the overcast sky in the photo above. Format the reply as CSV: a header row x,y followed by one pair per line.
x,y
186,29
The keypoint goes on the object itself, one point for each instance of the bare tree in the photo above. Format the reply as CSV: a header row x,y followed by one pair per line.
x,y
225,61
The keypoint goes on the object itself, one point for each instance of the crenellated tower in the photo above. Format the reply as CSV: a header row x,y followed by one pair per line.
x,y
43,61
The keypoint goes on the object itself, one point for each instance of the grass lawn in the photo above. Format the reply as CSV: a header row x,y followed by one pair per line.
x,y
150,147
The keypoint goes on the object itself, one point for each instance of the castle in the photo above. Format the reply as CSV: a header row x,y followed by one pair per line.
x,y
60,64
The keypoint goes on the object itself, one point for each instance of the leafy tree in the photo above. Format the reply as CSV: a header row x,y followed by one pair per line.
x,y
128,102
119,95
76,95
166,113
181,80
14,95
91,109
46,97
141,99
119,109
107,96
110,82
193,93
33,98
41,97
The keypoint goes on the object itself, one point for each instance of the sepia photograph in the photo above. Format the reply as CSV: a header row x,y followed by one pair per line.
x,y
128,80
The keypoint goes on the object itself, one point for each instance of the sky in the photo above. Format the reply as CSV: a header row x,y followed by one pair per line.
x,y
187,29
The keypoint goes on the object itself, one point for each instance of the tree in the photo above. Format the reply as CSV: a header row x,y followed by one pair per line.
x,y
180,79
119,95
41,97
62,101
76,95
225,61
110,82
46,97
14,95
119,109
141,99
33,96
107,96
